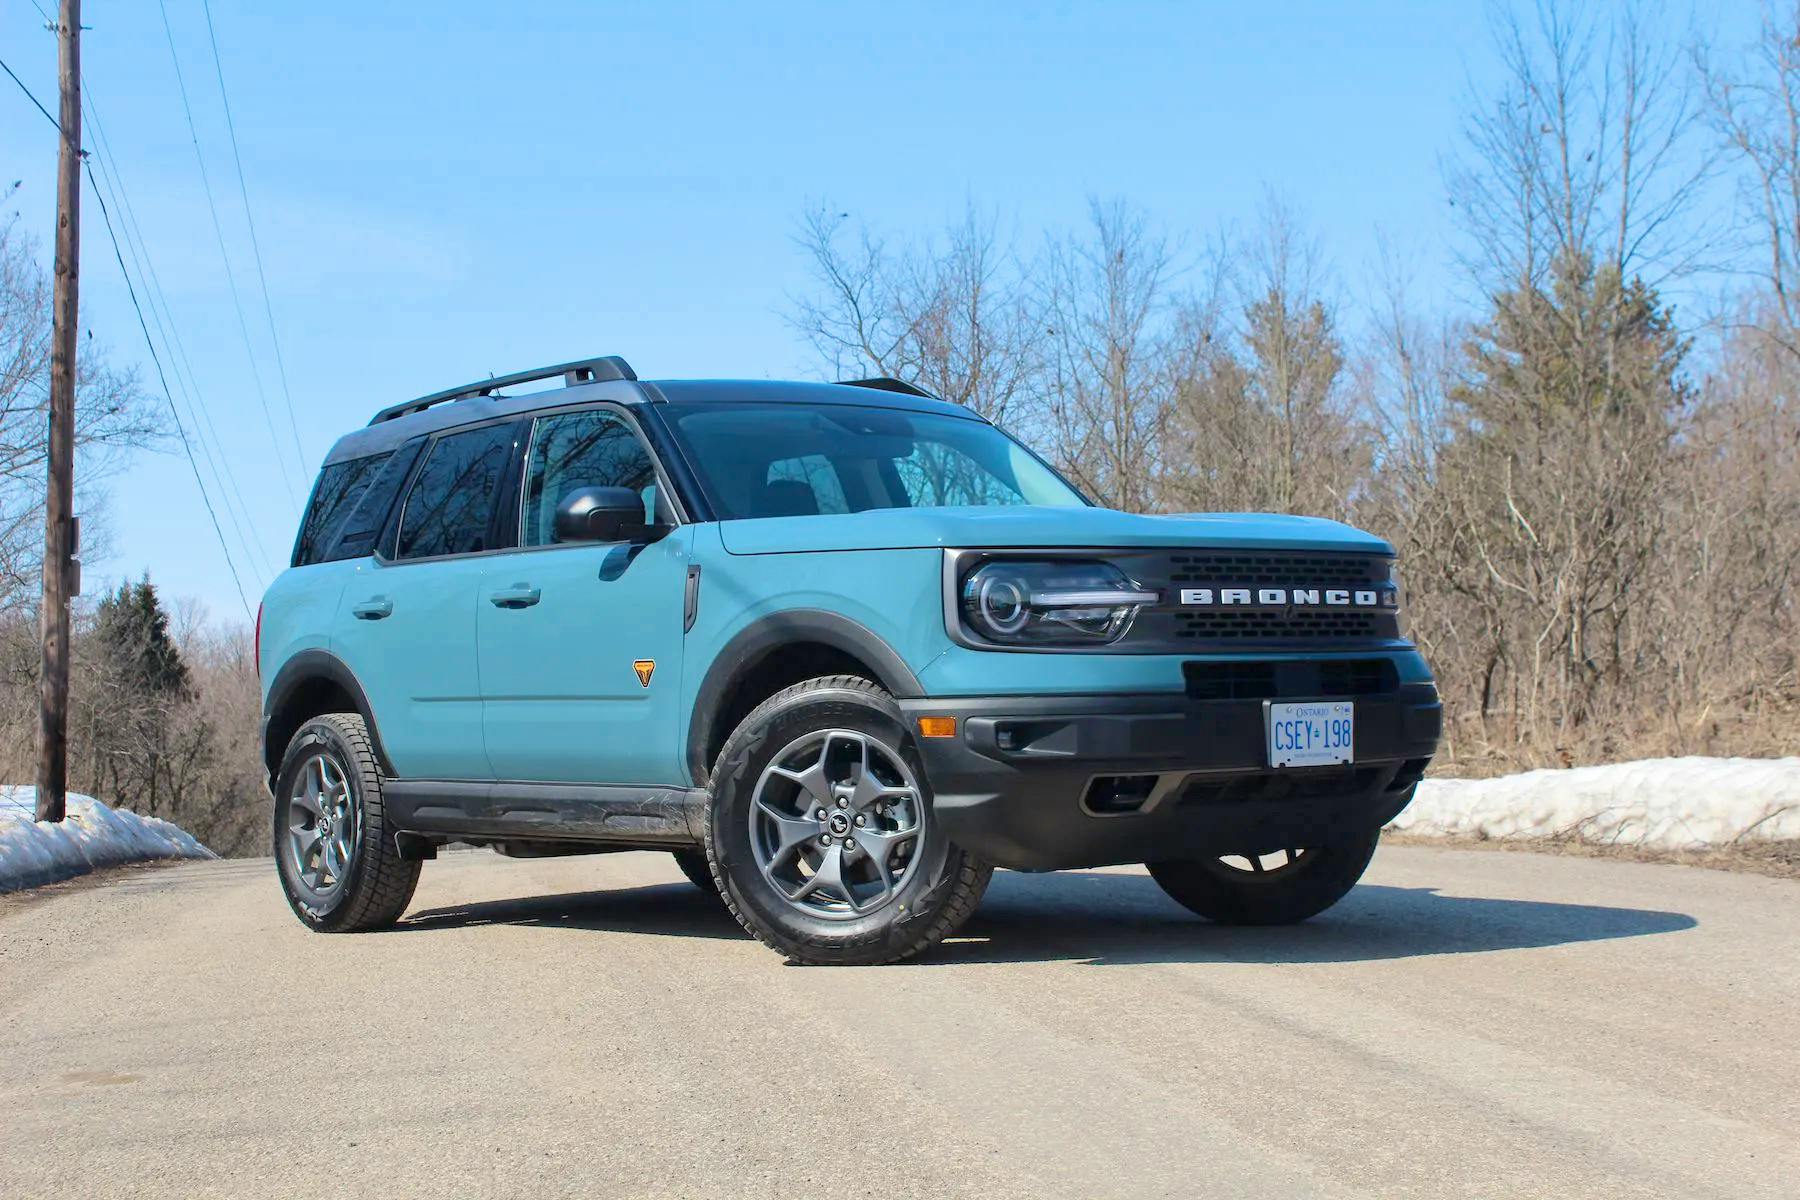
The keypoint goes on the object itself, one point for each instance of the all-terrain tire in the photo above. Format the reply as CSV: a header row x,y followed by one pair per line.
x,y
942,884
1312,883
693,864
378,884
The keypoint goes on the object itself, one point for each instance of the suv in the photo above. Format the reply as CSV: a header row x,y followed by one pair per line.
x,y
841,648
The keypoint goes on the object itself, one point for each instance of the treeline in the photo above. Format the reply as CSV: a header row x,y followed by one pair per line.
x,y
163,716
1596,497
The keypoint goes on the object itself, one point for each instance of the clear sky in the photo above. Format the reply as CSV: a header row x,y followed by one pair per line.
x,y
443,191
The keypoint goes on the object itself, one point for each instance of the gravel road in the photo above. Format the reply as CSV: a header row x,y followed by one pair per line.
x,y
1464,1024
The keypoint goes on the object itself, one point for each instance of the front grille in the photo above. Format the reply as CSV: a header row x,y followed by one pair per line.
x,y
1277,570
1276,625
1274,786
1287,680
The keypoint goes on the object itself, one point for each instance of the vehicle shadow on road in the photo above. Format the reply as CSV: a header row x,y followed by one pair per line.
x,y
1107,918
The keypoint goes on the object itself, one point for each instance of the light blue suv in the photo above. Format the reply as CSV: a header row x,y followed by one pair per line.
x,y
841,648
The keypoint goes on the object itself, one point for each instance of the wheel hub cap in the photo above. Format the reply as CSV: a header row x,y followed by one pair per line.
x,y
836,823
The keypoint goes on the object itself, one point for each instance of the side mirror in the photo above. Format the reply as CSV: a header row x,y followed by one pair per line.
x,y
604,514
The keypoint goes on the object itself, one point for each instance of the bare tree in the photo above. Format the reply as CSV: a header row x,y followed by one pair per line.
x,y
1754,107
1264,418
954,316
1109,309
112,413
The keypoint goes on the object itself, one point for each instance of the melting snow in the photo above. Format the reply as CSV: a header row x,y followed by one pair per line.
x,y
1664,803
33,853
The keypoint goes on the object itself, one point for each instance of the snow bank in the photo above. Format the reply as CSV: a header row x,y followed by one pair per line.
x,y
33,853
1664,804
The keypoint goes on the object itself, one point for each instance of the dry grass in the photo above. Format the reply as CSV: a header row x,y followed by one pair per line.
x,y
1780,860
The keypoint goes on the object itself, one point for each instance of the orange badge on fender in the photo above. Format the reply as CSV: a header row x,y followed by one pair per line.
x,y
645,667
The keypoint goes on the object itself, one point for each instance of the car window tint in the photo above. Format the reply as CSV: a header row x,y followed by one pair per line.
x,y
355,537
340,486
573,450
452,503
798,486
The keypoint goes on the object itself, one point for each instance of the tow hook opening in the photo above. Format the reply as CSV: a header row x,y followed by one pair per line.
x,y
1116,795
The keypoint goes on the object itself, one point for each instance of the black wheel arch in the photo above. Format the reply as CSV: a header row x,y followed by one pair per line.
x,y
313,682
753,646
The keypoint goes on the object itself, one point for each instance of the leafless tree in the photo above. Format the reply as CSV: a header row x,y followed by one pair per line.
x,y
112,413
1109,309
953,316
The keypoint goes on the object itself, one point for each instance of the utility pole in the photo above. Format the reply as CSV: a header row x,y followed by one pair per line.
x,y
59,507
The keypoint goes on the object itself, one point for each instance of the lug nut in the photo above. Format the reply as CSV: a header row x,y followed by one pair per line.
x,y
826,840
843,803
861,820
820,815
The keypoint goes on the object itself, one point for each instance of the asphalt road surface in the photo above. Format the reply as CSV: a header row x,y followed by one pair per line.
x,y
1464,1024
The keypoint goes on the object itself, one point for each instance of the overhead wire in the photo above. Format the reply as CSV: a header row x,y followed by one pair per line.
x,y
181,431
262,278
205,430
225,255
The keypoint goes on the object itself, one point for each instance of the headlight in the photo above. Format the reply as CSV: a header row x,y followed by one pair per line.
x,y
1021,603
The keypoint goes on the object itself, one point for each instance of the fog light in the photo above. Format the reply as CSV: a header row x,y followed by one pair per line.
x,y
937,727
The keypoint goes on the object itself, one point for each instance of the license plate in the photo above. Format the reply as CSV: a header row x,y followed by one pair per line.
x,y
1311,735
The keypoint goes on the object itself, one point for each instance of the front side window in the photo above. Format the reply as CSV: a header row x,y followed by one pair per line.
x,y
779,460
593,448
340,486
451,505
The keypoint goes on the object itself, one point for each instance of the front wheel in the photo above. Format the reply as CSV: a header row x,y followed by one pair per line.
x,y
1282,888
822,835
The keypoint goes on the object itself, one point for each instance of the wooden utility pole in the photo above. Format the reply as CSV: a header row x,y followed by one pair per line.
x,y
59,507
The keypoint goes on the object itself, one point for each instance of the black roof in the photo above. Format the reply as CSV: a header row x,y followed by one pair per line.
x,y
468,405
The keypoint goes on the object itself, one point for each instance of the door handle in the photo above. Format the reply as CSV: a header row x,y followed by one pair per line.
x,y
519,595
373,609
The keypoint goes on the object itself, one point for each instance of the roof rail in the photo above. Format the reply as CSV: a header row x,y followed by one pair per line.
x,y
885,384
587,370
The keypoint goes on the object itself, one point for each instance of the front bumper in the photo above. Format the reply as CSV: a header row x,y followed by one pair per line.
x,y
1042,783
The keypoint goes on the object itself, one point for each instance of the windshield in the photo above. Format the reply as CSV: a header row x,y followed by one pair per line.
x,y
789,460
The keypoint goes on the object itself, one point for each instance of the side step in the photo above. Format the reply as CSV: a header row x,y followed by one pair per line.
x,y
547,812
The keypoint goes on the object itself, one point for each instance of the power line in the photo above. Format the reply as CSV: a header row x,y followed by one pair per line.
x,y
150,344
54,123
217,460
255,245
180,430
219,232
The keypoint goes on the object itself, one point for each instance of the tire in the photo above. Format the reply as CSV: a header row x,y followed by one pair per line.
x,y
897,887
693,864
1283,893
370,888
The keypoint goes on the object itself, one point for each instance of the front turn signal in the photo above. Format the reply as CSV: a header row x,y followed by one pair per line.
x,y
937,727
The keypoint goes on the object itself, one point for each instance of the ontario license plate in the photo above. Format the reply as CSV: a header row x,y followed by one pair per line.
x,y
1311,735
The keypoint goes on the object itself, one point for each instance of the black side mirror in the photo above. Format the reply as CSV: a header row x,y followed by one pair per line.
x,y
604,514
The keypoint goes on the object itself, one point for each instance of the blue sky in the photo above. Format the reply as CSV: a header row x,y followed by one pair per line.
x,y
450,190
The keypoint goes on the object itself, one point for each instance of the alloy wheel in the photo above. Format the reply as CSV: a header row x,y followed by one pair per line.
x,y
322,825
837,823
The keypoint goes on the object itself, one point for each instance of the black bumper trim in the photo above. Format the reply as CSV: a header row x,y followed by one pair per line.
x,y
1010,785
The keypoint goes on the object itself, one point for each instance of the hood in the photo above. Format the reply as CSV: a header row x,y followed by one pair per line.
x,y
1024,525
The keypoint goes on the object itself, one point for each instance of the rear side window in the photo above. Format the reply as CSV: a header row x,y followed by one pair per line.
x,y
451,506
340,486
356,537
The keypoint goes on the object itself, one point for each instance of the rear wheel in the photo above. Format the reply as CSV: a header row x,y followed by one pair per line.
x,y
1282,888
334,850
821,831
693,864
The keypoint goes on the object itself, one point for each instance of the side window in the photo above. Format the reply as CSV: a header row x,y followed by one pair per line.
x,y
356,537
451,504
340,486
594,448
800,486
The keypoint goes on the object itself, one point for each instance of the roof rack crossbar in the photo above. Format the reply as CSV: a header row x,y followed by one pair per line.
x,y
885,384
587,370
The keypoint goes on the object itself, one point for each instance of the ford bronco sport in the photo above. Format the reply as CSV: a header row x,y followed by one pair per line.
x,y
841,648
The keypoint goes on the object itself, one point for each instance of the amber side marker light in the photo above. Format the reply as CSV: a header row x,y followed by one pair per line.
x,y
937,727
